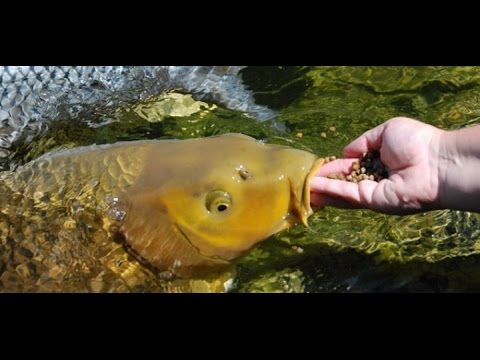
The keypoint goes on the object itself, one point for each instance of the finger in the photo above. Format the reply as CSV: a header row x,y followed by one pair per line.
x,y
339,166
360,194
369,140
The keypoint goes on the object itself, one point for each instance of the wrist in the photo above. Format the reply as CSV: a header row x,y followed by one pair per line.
x,y
458,168
446,165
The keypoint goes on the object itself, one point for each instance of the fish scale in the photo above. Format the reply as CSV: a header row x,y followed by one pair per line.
x,y
33,95
39,197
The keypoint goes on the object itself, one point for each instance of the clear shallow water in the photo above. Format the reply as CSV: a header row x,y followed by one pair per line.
x,y
351,250
344,250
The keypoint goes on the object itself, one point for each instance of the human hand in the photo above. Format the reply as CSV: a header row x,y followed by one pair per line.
x,y
409,149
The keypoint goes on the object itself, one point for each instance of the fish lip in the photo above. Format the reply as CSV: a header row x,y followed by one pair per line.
x,y
307,210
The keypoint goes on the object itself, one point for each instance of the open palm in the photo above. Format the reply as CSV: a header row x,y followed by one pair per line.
x,y
410,151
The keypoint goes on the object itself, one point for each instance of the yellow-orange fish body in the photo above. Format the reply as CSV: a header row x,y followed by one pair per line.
x,y
181,206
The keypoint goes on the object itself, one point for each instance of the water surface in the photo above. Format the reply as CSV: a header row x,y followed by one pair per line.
x,y
321,109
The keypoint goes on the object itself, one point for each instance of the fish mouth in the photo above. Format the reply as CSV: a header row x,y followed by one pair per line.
x,y
306,209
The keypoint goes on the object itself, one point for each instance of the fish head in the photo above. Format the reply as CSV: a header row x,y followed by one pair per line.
x,y
208,201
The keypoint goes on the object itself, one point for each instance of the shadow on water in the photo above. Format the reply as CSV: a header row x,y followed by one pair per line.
x,y
276,86
327,269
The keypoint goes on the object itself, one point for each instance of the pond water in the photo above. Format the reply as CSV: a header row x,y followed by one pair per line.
x,y
321,109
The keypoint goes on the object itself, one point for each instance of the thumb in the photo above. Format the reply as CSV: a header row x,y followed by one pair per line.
x,y
369,140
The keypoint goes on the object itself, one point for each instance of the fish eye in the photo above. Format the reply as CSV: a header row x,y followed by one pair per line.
x,y
218,201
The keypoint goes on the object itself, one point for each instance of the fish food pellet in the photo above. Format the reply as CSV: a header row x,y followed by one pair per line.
x,y
298,249
368,167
